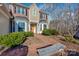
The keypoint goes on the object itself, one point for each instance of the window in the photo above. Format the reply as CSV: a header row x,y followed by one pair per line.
x,y
34,12
18,9
45,26
22,10
42,16
21,26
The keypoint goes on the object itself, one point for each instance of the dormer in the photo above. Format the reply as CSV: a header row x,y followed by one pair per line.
x,y
34,13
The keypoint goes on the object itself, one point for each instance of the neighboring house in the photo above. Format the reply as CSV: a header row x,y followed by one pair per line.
x,y
24,18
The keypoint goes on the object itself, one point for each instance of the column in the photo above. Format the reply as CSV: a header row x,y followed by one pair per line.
x,y
29,26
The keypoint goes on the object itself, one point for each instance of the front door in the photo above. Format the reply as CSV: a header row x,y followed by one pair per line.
x,y
33,28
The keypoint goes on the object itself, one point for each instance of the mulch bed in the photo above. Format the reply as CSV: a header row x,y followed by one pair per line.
x,y
16,51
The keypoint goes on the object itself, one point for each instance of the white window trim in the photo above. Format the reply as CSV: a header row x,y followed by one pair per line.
x,y
24,11
42,25
16,28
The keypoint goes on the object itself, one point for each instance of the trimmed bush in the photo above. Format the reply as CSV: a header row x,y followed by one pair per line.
x,y
54,32
50,32
47,32
14,39
28,34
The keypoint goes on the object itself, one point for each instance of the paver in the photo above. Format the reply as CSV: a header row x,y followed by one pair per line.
x,y
51,50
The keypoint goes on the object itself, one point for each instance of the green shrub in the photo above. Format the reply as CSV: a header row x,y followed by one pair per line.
x,y
50,32
71,39
14,39
54,32
68,38
47,32
28,34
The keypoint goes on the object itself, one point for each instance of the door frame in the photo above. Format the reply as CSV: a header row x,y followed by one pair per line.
x,y
35,27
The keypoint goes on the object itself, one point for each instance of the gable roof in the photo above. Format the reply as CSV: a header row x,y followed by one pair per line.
x,y
28,5
21,5
41,11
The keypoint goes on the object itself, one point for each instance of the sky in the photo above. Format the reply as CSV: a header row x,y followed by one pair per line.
x,y
38,4
59,5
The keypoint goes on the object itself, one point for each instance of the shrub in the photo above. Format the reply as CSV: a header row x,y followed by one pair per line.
x,y
54,32
14,39
47,32
50,32
68,38
71,39
28,34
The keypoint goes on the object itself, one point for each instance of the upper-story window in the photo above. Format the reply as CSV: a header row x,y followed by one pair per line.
x,y
42,16
33,12
20,10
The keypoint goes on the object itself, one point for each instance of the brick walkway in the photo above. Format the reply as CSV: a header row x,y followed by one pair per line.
x,y
37,41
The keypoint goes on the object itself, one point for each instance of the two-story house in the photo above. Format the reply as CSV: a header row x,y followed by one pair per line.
x,y
38,19
24,18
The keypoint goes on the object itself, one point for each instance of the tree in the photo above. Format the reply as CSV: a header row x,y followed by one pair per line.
x,y
63,19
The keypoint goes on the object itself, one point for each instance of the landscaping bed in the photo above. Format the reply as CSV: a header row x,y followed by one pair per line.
x,y
19,50
12,42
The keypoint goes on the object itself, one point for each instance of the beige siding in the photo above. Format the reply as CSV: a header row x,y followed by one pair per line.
x,y
4,24
31,17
